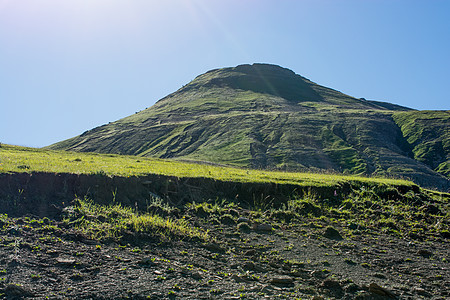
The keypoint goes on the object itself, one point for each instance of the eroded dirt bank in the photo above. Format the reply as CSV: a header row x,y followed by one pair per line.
x,y
387,245
43,194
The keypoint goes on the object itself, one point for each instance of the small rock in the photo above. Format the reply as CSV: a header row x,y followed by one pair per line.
x,y
378,290
298,273
196,276
263,227
422,292
238,278
318,274
267,289
243,219
90,242
227,220
16,291
250,252
332,234
52,252
425,253
243,226
213,247
147,261
282,280
333,287
65,261
379,275
331,284
250,266
352,288
76,277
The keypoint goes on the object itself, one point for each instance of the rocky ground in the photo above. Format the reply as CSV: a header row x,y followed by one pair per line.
x,y
249,255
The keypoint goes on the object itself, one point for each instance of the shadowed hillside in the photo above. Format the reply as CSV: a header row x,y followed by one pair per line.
x,y
265,116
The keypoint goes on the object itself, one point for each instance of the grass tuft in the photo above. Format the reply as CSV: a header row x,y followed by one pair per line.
x,y
114,221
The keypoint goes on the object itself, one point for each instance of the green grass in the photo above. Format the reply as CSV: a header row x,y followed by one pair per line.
x,y
113,221
21,159
266,117
428,134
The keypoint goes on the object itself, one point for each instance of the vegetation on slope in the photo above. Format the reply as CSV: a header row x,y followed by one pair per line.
x,y
267,117
364,243
428,134
114,221
21,159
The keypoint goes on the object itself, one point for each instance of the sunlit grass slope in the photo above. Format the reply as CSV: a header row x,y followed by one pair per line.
x,y
267,117
21,159
428,133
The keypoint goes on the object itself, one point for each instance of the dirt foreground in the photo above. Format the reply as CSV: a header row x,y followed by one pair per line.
x,y
252,256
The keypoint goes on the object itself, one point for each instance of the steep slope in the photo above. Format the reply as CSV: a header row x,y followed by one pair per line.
x,y
428,133
265,116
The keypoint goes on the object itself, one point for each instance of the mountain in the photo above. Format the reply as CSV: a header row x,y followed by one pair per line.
x,y
267,117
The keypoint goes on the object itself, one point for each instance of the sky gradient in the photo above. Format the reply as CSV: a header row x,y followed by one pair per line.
x,y
68,66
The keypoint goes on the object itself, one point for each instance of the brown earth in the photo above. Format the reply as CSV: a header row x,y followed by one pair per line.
x,y
252,254
43,258
40,193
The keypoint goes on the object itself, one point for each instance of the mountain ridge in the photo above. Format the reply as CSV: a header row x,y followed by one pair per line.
x,y
267,117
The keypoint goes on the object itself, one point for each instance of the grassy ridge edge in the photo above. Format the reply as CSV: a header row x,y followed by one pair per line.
x,y
15,159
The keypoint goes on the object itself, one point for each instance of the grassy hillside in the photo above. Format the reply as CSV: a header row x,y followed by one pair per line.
x,y
267,117
428,134
362,241
28,160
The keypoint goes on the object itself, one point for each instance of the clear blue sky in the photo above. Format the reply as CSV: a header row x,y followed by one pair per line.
x,y
70,65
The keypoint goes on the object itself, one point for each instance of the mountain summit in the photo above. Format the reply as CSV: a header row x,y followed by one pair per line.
x,y
265,116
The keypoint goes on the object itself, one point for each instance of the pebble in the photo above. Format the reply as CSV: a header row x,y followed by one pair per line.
x,y
332,234
17,292
249,266
250,252
263,227
147,261
425,253
283,280
376,289
65,261
318,274
213,247
331,284
422,292
238,278
197,275
243,220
